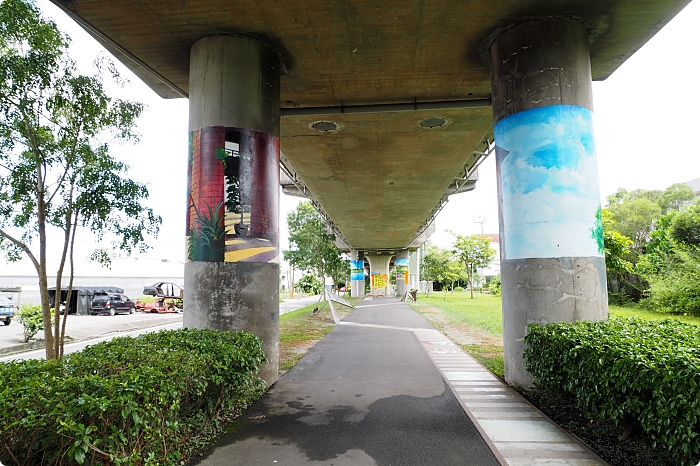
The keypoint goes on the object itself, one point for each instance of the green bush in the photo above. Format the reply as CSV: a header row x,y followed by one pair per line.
x,y
458,288
495,285
309,284
147,400
675,288
32,319
627,370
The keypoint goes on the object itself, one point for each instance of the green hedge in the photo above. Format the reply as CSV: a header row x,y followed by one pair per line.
x,y
627,370
148,400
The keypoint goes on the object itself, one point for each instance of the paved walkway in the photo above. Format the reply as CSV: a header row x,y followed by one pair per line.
x,y
291,304
386,388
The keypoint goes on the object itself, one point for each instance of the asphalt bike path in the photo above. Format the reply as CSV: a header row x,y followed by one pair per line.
x,y
366,394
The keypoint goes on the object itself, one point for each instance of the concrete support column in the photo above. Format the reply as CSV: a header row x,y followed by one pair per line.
x,y
401,272
414,270
232,274
552,262
357,274
379,273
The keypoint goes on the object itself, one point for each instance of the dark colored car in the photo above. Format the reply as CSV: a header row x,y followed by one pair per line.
x,y
111,303
7,310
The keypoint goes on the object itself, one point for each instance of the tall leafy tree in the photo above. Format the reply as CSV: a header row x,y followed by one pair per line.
x,y
55,168
473,252
635,212
685,226
435,264
675,197
311,247
617,246
634,217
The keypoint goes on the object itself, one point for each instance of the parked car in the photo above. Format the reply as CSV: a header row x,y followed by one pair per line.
x,y
111,303
7,310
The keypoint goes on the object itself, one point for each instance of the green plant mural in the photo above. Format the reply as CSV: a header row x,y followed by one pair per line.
x,y
206,241
597,230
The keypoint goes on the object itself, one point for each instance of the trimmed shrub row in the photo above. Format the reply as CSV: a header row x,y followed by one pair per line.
x,y
153,399
628,371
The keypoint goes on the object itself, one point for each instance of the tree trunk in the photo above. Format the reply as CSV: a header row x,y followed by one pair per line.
x,y
471,281
69,295
43,281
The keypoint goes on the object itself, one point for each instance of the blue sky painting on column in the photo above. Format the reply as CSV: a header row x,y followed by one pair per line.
x,y
548,183
357,269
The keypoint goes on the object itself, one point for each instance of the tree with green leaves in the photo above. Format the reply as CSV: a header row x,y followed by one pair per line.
x,y
617,246
622,283
635,212
634,218
311,247
675,197
473,252
55,168
435,264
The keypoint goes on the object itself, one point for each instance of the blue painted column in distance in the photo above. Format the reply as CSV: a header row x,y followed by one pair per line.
x,y
357,274
551,238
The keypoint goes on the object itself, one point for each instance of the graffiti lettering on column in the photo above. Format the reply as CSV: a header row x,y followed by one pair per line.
x,y
402,270
233,183
357,270
548,184
380,280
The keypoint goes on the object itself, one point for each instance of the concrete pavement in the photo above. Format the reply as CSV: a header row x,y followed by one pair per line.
x,y
81,328
84,328
293,304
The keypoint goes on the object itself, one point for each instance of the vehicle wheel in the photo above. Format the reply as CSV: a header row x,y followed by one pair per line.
x,y
7,322
112,311
131,310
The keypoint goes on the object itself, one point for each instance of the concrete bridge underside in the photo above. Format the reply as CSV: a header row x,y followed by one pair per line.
x,y
378,111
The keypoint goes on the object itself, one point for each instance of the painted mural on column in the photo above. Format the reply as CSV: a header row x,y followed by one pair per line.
x,y
232,196
548,184
357,270
402,270
379,280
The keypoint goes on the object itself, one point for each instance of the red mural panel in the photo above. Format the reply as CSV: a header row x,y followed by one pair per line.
x,y
233,195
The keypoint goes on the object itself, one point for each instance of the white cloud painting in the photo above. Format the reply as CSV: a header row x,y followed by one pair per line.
x,y
548,180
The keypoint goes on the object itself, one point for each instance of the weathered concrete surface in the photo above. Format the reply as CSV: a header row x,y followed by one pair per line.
x,y
401,286
379,264
236,296
545,66
540,64
543,291
234,81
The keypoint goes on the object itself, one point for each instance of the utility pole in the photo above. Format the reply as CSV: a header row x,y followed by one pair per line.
x,y
480,219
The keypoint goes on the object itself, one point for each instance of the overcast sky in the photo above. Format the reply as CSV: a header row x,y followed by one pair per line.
x,y
646,123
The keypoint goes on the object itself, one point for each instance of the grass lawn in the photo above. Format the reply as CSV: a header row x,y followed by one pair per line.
x,y
484,311
620,311
455,312
476,325
301,329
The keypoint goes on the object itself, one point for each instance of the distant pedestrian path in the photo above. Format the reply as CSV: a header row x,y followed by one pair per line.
x,y
293,304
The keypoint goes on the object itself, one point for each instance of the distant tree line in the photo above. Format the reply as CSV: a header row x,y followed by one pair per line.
x,y
457,265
